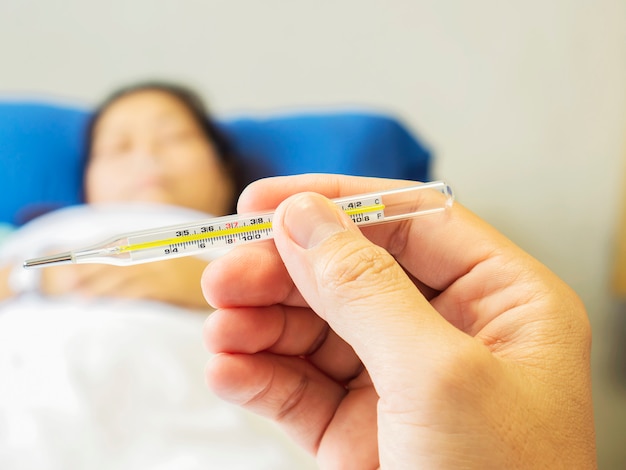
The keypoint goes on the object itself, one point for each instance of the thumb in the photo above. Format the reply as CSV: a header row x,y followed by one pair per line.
x,y
356,286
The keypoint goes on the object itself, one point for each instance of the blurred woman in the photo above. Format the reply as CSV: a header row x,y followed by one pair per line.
x,y
148,143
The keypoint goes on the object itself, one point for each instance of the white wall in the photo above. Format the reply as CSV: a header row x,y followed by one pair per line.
x,y
524,102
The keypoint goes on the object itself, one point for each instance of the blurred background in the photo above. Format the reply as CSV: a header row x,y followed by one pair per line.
x,y
522,102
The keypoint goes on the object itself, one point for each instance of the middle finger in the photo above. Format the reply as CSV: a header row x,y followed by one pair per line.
x,y
283,330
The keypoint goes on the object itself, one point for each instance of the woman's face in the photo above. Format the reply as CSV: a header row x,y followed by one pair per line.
x,y
147,147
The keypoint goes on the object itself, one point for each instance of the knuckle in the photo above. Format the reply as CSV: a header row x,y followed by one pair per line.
x,y
294,399
357,267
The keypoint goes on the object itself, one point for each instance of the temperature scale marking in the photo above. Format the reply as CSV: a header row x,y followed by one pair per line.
x,y
214,233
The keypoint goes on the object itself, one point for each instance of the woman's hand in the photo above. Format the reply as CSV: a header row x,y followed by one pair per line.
x,y
442,345
174,281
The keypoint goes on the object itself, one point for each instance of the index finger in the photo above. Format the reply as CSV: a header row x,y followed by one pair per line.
x,y
436,249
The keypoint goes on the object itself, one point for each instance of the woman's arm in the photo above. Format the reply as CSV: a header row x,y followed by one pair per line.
x,y
175,281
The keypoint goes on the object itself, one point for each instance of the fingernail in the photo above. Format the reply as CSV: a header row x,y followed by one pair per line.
x,y
311,219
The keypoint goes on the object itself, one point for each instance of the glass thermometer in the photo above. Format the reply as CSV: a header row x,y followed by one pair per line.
x,y
197,238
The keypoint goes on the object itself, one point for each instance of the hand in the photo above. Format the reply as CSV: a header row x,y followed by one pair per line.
x,y
174,281
439,345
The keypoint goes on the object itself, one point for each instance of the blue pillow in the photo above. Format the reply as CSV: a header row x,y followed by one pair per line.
x,y
42,144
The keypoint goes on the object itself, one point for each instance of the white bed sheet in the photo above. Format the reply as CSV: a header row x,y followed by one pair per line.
x,y
116,384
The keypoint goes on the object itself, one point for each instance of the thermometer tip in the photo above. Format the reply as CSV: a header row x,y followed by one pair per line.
x,y
45,261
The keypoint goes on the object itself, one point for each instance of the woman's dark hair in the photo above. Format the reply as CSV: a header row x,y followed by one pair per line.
x,y
196,108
